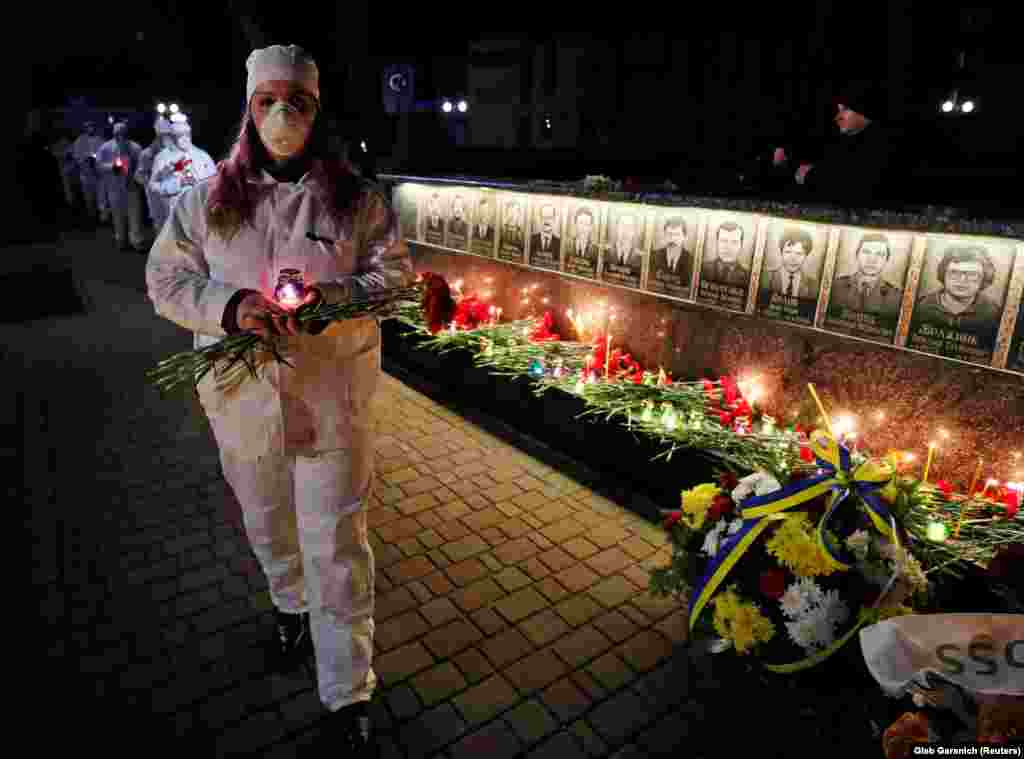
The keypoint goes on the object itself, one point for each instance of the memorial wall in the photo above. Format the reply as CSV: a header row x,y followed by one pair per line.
x,y
920,327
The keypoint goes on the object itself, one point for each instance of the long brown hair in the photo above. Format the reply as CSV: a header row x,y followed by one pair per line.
x,y
233,199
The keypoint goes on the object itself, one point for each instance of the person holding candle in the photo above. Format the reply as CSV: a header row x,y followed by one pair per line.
x,y
296,446
117,161
181,165
84,152
159,207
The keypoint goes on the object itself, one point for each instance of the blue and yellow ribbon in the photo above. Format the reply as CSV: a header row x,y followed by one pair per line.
x,y
760,512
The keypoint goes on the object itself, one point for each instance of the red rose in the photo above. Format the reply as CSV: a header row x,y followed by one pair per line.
x,y
945,487
773,583
720,506
637,378
728,481
806,454
725,418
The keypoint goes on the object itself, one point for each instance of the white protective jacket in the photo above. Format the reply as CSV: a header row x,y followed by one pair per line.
x,y
118,185
159,208
168,183
323,403
82,148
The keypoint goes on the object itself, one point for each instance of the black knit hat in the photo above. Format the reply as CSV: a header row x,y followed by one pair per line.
x,y
864,97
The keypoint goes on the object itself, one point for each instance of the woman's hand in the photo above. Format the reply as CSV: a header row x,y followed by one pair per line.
x,y
266,317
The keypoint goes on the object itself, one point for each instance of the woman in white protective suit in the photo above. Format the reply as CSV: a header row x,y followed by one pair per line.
x,y
159,207
179,166
296,445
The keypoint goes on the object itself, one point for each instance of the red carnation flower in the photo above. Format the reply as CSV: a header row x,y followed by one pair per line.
x,y
438,304
944,487
725,418
806,454
773,583
720,506
1011,499
671,519
180,165
637,378
728,481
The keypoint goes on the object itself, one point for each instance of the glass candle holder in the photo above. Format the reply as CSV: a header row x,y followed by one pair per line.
x,y
291,288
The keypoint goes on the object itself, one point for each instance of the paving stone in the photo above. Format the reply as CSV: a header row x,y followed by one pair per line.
x,y
481,520
392,532
417,503
578,610
535,671
400,629
512,579
495,740
589,685
454,510
487,700
607,536
514,528
452,638
402,663
257,731
609,561
488,620
635,614
508,508
578,578
521,604
491,562
411,547
403,702
506,647
432,730
429,520
613,591
430,538
611,672
653,607
552,589
615,625
461,550
440,560
638,548
637,575
620,717
544,627
465,573
501,492
438,683
410,569
439,611
559,532
580,548
493,536
480,593
557,559
473,665
393,602
562,745
591,742
532,500
666,737
535,568
645,650
515,551
540,541
581,646
397,477
566,700
531,721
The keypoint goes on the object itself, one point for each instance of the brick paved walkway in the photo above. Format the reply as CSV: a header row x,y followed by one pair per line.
x,y
511,613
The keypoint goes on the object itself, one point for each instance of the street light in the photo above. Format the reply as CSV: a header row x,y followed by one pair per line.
x,y
446,106
174,107
161,109
947,106
967,106
463,106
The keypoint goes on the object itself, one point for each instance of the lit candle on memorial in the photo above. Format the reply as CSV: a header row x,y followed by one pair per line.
x,y
928,463
974,480
992,482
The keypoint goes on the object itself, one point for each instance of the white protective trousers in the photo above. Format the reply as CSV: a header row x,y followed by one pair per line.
x,y
310,539
127,215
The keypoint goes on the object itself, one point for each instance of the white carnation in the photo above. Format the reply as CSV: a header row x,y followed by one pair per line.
x,y
713,539
735,526
793,601
758,483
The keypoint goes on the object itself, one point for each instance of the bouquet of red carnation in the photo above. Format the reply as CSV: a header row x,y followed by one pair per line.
x,y
438,304
180,165
542,333
471,312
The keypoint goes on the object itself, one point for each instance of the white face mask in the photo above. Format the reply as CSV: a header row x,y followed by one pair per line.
x,y
284,132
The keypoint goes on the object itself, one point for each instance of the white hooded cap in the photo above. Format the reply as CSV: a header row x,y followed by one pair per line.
x,y
279,62
163,126
180,128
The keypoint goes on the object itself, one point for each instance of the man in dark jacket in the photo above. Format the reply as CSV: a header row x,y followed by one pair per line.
x,y
854,168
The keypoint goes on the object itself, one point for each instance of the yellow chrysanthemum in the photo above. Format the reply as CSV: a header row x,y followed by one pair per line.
x,y
741,622
795,544
696,503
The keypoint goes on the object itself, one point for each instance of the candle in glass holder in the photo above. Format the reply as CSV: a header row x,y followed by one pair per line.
x,y
928,464
290,288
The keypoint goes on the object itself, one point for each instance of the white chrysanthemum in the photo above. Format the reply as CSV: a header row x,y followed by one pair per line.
x,y
910,569
859,542
793,601
812,591
713,539
822,626
802,632
835,607
735,526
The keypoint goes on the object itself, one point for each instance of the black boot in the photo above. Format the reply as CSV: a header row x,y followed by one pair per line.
x,y
292,640
350,730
